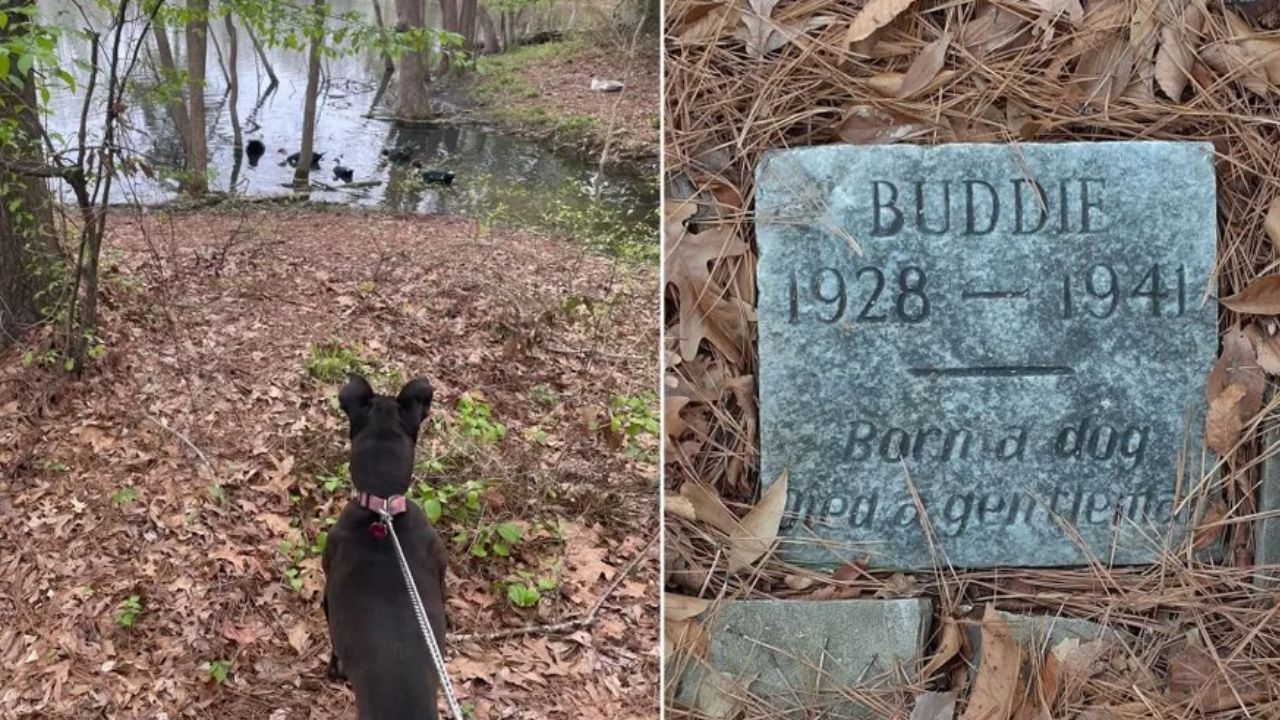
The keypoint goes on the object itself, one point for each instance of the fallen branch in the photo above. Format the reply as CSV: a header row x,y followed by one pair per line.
x,y
185,441
581,621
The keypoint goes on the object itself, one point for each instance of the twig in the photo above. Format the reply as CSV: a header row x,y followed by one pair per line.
x,y
581,621
185,441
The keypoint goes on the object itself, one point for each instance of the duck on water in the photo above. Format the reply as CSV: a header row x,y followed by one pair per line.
x,y
292,160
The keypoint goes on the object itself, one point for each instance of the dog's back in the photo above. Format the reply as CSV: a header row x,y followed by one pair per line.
x,y
371,621
377,640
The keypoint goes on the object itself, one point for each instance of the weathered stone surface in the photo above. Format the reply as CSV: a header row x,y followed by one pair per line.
x,y
1019,371
772,649
1039,633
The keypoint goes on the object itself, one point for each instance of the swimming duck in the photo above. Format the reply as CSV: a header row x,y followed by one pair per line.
x,y
438,177
254,149
292,160
397,154
345,174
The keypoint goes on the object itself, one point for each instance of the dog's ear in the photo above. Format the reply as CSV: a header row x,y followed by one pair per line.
x,y
354,398
414,400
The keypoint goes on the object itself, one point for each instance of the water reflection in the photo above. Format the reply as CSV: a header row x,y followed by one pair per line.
x,y
499,176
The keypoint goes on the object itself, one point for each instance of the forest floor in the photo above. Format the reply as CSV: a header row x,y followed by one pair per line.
x,y
164,514
545,91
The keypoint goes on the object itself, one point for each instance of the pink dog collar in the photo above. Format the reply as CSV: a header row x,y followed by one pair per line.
x,y
393,505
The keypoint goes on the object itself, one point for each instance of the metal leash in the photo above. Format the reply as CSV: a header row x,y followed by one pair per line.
x,y
423,624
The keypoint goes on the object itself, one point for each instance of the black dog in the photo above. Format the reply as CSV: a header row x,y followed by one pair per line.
x,y
376,641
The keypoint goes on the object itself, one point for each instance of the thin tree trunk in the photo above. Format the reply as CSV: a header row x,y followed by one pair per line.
x,y
301,176
233,83
26,216
169,73
389,65
467,24
197,181
492,44
415,73
233,100
262,55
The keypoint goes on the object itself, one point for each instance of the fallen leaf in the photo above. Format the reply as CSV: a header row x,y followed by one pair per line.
x,y
873,16
1225,421
1237,365
993,28
948,647
245,634
682,607
709,508
1176,55
925,67
711,26
679,506
934,706
298,635
1271,223
686,636
1260,297
718,695
1266,346
996,686
1210,528
1196,679
1265,51
759,527
866,125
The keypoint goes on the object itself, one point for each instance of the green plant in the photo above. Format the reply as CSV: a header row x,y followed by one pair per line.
x,y
459,503
219,670
524,589
217,492
331,362
498,539
336,480
631,418
128,610
475,421
124,496
535,435
544,395
53,466
296,551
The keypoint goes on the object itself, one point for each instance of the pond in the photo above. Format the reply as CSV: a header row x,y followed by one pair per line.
x,y
500,177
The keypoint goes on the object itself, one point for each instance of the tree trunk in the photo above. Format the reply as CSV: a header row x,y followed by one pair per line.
x,y
197,180
388,65
262,55
492,44
169,74
233,98
301,176
415,73
26,215
467,24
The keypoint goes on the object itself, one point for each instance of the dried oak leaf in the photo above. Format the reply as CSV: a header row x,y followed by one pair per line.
x,y
1197,680
704,311
1176,56
996,687
1266,345
759,528
925,67
1260,297
873,16
1234,389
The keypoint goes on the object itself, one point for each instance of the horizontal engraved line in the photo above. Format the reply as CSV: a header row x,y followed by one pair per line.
x,y
993,371
994,294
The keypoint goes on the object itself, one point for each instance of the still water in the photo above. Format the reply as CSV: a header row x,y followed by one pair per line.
x,y
499,176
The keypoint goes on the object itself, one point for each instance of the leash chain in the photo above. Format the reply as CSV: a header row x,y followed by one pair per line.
x,y
423,624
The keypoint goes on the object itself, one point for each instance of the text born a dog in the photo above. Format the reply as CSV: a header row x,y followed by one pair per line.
x,y
988,354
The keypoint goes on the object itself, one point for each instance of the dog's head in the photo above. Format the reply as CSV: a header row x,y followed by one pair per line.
x,y
384,432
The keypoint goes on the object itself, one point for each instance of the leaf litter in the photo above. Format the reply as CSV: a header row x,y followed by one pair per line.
x,y
203,408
